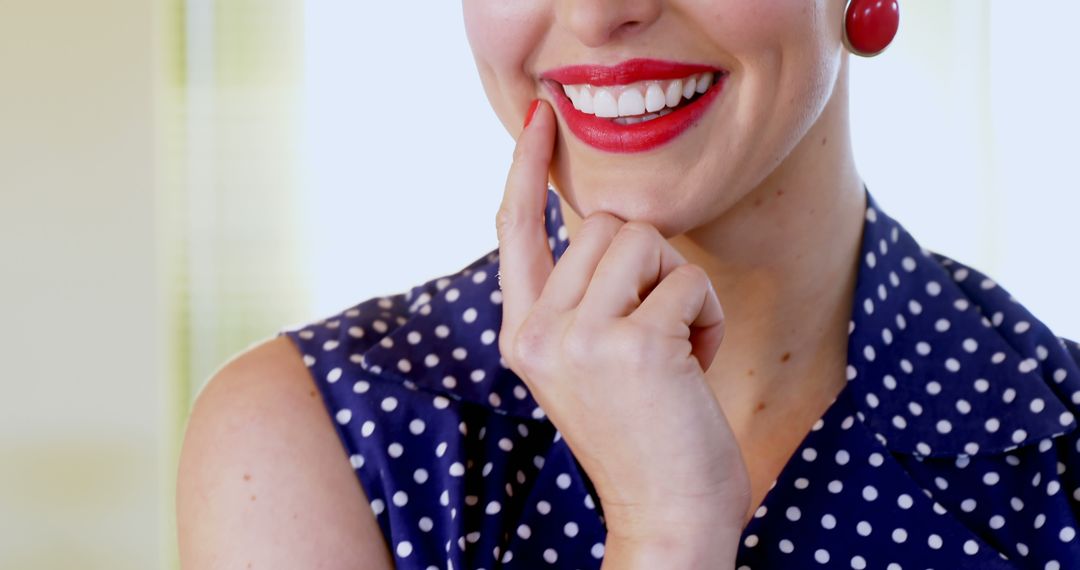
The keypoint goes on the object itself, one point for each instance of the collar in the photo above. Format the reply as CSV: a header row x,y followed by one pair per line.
x,y
942,361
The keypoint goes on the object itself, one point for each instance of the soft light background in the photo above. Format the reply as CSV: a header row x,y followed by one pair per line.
x,y
181,179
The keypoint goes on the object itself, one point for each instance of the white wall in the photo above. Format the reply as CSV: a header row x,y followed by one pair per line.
x,y
79,410
964,131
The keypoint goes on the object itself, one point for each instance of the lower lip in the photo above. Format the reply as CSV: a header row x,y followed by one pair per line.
x,y
609,136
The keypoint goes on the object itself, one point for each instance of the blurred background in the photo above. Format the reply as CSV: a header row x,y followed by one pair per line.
x,y
182,179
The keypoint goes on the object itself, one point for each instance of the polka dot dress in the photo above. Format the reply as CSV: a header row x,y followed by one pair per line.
x,y
952,445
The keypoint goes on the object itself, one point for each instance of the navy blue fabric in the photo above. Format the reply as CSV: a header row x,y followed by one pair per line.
x,y
952,445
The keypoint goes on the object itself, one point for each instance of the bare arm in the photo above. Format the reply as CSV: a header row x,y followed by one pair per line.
x,y
263,479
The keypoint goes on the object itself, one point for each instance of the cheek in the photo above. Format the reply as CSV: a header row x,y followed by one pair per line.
x,y
744,27
503,37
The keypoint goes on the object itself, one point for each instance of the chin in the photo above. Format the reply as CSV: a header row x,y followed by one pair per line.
x,y
652,202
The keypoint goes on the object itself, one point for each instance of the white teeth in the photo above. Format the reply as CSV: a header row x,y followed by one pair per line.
x,y
604,104
631,103
704,82
654,98
585,100
635,99
689,87
674,93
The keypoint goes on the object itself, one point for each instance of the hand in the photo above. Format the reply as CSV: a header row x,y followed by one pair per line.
x,y
613,342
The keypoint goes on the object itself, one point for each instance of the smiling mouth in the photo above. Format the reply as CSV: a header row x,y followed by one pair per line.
x,y
641,101
634,106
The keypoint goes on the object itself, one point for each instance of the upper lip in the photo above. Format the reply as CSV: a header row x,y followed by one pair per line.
x,y
629,71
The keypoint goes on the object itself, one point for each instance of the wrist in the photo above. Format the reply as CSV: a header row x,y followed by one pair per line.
x,y
707,550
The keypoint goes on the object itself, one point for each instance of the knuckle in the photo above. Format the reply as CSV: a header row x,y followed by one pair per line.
x,y
693,273
578,345
638,227
528,347
638,343
519,153
505,221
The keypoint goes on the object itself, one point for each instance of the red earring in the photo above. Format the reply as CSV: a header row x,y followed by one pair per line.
x,y
870,25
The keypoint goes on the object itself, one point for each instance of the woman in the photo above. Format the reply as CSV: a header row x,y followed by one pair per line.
x,y
723,354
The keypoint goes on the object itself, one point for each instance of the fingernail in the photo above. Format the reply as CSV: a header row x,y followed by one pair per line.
x,y
532,111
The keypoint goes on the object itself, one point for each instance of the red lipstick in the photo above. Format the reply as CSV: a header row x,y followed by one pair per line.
x,y
607,135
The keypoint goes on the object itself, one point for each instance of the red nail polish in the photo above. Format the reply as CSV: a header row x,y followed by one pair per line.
x,y
532,110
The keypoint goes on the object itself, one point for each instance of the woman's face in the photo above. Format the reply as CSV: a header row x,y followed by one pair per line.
x,y
783,58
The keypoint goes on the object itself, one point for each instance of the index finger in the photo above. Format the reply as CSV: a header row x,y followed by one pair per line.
x,y
525,260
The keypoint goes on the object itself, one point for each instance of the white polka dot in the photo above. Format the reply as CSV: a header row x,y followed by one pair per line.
x,y
899,535
970,547
869,493
786,546
570,529
1066,534
404,549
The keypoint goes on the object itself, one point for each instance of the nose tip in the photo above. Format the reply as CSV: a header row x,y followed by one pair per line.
x,y
598,22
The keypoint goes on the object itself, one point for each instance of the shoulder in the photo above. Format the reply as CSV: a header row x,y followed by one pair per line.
x,y
445,440
260,459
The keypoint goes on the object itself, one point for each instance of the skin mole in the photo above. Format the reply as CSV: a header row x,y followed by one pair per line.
x,y
785,357
247,477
